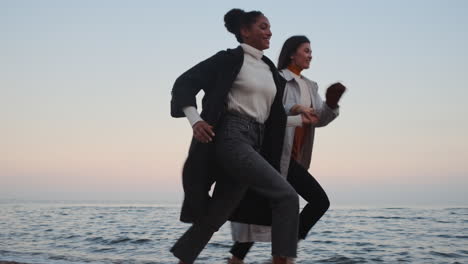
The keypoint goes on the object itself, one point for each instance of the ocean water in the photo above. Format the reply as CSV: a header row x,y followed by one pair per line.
x,y
66,233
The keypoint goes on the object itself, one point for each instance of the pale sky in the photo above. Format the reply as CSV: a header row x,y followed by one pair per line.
x,y
85,91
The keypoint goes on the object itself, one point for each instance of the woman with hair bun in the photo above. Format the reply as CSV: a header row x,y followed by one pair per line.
x,y
300,98
237,143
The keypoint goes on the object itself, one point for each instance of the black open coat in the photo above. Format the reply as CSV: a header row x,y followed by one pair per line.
x,y
215,77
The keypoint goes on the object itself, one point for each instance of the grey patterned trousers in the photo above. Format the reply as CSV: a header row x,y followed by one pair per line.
x,y
237,143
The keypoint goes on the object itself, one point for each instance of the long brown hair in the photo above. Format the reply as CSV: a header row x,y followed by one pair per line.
x,y
289,48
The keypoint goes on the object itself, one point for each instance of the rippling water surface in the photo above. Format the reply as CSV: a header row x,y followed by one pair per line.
x,y
66,233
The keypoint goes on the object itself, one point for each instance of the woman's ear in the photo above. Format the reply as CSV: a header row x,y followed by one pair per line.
x,y
245,33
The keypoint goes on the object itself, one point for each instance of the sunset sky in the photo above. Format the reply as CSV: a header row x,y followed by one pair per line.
x,y
85,91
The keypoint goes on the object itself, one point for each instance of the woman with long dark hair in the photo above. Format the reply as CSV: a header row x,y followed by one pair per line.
x,y
233,141
300,99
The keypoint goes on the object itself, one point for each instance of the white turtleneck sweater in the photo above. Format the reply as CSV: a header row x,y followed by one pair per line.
x,y
254,89
252,92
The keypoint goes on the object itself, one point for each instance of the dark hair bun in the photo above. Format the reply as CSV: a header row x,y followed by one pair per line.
x,y
232,20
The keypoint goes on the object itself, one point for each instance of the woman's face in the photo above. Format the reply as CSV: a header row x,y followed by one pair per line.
x,y
259,34
302,57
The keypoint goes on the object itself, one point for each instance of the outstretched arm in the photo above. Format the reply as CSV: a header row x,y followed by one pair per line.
x,y
329,109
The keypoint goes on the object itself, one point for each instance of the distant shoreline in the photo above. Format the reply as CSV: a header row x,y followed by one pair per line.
x,y
177,203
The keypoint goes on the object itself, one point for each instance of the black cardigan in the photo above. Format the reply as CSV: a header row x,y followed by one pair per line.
x,y
215,77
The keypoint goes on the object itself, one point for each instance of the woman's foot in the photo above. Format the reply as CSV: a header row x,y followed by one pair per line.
x,y
283,260
235,260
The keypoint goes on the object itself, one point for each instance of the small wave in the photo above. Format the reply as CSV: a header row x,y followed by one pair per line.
x,y
417,218
219,245
326,242
141,241
43,257
18,234
94,239
70,237
386,217
58,257
395,229
96,217
119,240
372,249
445,236
383,246
103,249
342,260
361,244
462,237
442,254
69,259
101,240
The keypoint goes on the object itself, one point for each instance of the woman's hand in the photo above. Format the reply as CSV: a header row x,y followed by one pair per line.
x,y
307,113
333,94
299,109
309,118
203,132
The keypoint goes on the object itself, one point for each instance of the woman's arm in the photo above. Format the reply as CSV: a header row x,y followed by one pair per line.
x,y
329,109
187,85
294,121
202,131
192,115
184,103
